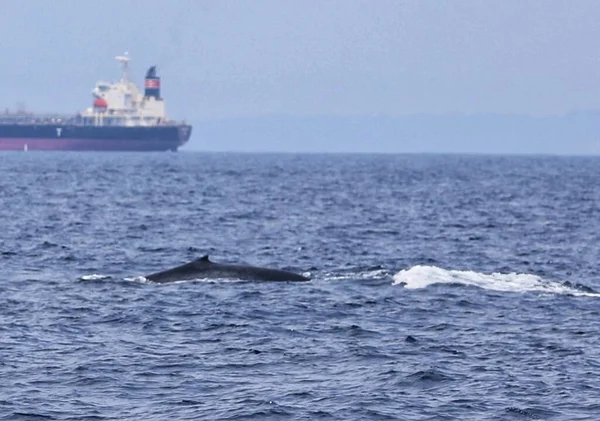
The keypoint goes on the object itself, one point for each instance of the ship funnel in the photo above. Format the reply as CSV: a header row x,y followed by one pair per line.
x,y
152,84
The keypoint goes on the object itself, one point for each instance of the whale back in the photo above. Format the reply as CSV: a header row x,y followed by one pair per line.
x,y
203,259
203,267
186,271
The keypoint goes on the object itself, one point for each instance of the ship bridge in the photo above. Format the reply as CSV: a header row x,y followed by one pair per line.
x,y
122,103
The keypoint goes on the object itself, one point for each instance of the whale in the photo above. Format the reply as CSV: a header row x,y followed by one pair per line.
x,y
204,268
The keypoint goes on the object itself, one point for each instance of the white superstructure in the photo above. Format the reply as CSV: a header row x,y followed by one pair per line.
x,y
122,103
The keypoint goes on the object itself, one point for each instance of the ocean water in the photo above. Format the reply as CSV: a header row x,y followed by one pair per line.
x,y
443,287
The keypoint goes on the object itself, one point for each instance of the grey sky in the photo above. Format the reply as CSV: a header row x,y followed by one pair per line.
x,y
230,58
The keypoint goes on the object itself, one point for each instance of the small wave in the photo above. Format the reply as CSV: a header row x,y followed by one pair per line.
x,y
430,375
418,277
522,412
32,416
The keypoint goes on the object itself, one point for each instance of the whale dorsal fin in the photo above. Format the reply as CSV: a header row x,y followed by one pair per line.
x,y
203,259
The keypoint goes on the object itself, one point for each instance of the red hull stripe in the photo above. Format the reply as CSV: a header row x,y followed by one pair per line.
x,y
41,144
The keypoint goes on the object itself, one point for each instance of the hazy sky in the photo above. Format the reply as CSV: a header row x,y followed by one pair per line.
x,y
230,58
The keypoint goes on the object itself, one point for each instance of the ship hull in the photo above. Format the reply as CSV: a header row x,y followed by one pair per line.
x,y
81,138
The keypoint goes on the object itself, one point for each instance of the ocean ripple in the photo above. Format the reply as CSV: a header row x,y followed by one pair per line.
x,y
443,287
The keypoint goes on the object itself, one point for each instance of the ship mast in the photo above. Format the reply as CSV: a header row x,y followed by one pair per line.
x,y
124,59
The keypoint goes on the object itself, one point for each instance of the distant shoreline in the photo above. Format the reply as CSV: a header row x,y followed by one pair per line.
x,y
576,133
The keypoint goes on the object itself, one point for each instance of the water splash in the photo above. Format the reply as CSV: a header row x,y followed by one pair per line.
x,y
418,277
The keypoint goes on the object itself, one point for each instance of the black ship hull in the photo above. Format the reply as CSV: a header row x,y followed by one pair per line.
x,y
93,138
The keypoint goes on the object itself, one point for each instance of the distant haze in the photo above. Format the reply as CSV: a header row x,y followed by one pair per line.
x,y
418,75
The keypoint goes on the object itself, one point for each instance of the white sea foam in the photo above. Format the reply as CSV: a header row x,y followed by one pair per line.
x,y
95,277
136,279
368,274
142,279
418,277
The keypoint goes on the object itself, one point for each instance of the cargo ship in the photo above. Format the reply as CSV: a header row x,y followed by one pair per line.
x,y
121,118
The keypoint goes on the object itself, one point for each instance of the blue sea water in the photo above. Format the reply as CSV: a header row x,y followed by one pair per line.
x,y
443,287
